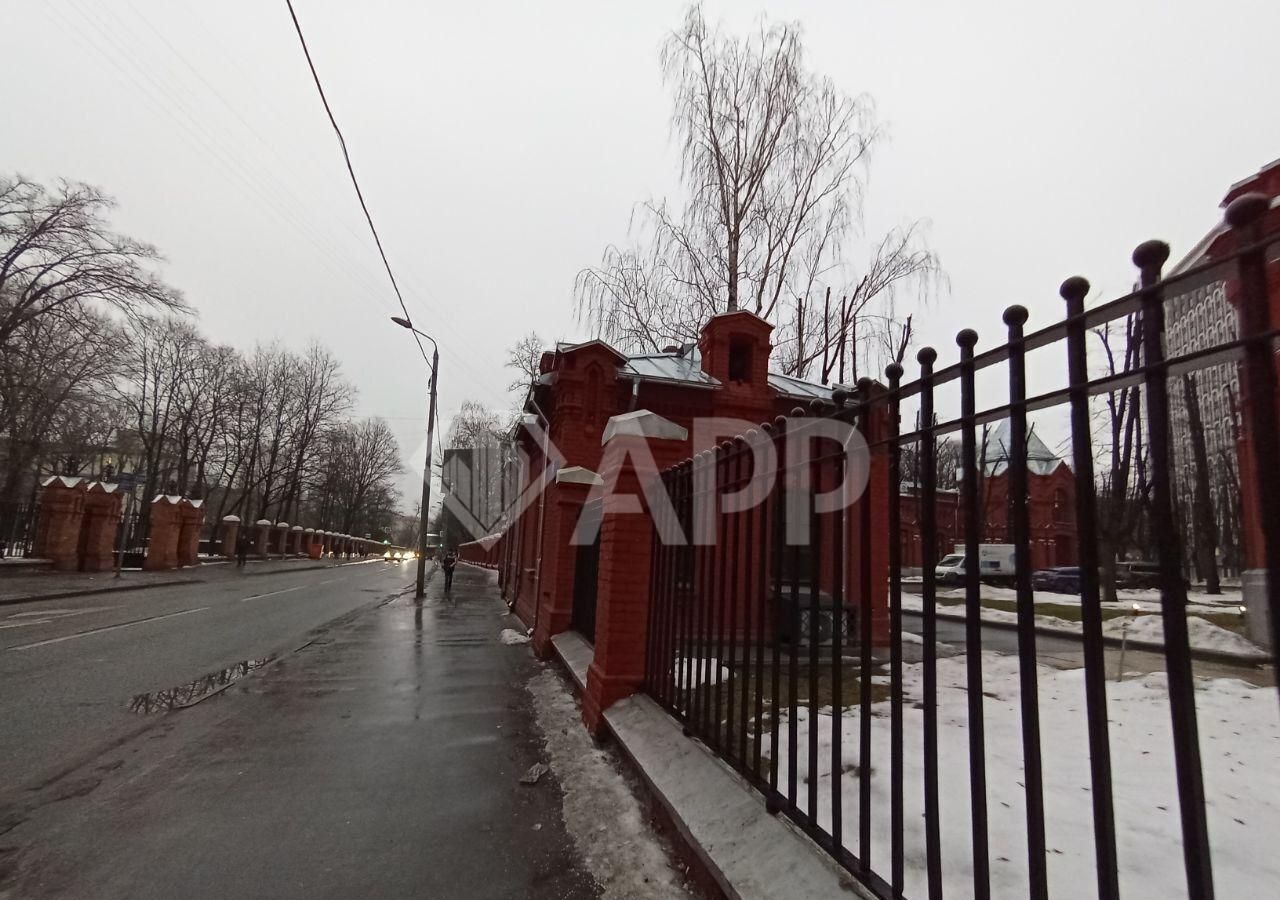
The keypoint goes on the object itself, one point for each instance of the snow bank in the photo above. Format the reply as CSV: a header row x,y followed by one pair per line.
x,y
601,813
511,637
1240,741
1204,635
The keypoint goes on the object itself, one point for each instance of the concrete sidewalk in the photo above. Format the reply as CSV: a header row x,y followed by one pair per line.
x,y
27,586
382,759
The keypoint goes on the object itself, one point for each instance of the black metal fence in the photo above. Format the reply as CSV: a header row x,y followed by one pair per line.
x,y
17,529
805,667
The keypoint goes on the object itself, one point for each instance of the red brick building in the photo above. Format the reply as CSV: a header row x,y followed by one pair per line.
x,y
581,387
1051,492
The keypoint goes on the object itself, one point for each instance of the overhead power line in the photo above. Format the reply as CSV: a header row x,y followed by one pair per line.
x,y
355,182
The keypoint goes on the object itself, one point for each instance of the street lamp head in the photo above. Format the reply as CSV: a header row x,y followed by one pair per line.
x,y
402,322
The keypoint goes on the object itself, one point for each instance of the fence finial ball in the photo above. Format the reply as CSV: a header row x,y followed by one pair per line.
x,y
967,338
1074,288
1015,315
1150,254
838,397
797,413
865,385
893,371
1246,209
780,422
927,356
816,405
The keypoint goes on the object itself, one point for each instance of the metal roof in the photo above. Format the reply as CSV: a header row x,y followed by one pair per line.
x,y
789,386
686,369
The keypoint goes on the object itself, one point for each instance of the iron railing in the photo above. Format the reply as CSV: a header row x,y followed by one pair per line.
x,y
763,648
17,529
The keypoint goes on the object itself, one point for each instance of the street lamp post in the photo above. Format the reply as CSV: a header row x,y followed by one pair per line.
x,y
426,469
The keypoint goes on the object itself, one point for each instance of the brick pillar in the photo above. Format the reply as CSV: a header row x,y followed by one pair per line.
x,y
262,540
230,532
99,526
626,547
564,505
191,518
295,541
166,528
279,532
310,545
58,528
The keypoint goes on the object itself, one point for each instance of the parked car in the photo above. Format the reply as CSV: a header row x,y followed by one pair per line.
x,y
1134,574
1059,580
950,569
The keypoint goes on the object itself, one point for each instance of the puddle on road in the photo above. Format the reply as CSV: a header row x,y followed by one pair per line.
x,y
185,695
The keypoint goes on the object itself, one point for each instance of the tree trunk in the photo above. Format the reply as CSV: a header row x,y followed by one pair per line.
x,y
1204,523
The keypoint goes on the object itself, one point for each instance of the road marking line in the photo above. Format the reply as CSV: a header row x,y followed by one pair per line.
x,y
273,593
27,623
72,637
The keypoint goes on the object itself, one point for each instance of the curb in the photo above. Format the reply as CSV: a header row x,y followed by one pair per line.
x,y
117,588
109,589
1251,661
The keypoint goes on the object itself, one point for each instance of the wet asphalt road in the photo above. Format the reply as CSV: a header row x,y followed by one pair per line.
x,y
380,760
69,668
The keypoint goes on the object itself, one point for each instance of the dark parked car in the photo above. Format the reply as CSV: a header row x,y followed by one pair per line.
x,y
1060,580
1130,574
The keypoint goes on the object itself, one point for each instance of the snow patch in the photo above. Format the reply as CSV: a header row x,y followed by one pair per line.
x,y
1204,635
511,637
1239,738
607,824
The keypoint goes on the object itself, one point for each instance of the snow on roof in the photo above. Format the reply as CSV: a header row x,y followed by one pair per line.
x,y
790,386
1040,459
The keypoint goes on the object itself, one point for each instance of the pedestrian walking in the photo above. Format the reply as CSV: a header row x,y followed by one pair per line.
x,y
242,549
450,560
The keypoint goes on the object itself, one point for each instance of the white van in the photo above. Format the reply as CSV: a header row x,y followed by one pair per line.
x,y
995,564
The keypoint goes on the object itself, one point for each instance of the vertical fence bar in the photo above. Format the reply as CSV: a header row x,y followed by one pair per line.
x,y
897,858
1073,290
746,548
1015,317
928,552
814,557
762,595
839,568
733,525
677,572
969,465
779,547
721,551
706,584
689,592
792,498
865,661
1254,313
671,580
1149,257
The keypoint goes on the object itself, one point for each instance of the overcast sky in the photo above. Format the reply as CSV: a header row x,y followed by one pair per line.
x,y
502,146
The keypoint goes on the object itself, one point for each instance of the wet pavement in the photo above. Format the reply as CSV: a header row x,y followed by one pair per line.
x,y
382,759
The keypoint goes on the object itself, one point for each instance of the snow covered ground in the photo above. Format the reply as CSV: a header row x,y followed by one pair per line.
x,y
1205,635
1239,739
1144,600
609,828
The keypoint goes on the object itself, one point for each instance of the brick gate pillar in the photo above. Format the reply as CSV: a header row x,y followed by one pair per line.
x,y
102,503
166,528
638,446
58,528
559,556
262,539
230,534
191,519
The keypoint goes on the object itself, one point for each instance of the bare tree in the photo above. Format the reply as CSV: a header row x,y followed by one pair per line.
x,y
1122,486
771,163
524,358
57,252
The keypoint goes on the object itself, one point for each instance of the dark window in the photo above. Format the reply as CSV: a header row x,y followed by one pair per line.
x,y
739,359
